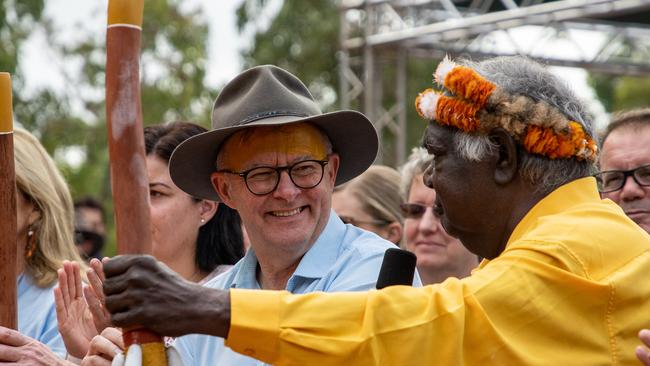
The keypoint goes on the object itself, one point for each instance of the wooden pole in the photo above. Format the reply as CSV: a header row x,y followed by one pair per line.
x,y
8,245
129,182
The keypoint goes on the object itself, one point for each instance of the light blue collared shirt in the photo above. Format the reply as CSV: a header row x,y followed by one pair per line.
x,y
37,314
344,258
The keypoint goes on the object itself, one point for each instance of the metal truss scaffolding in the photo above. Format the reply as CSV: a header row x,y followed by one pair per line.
x,y
379,37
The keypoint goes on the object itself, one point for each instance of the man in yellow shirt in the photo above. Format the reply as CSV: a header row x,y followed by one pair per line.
x,y
564,281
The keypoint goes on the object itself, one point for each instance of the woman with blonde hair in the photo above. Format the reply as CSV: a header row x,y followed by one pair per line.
x,y
372,201
45,238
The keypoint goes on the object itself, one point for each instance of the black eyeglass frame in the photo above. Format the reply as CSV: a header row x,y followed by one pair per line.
x,y
626,173
278,170
408,214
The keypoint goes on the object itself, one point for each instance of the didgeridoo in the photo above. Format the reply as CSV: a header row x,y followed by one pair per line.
x,y
129,182
8,245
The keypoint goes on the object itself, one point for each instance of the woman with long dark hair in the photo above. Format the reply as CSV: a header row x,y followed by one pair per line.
x,y
196,238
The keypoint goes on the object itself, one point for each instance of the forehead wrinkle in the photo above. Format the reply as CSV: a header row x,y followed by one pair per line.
x,y
624,149
156,184
426,139
432,137
288,140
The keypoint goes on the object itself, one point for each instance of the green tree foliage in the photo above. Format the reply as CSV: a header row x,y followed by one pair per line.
x,y
42,112
17,19
621,92
173,66
303,37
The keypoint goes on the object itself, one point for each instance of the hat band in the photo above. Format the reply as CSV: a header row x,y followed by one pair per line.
x,y
270,114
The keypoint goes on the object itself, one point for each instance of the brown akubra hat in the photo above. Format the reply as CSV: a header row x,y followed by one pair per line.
x,y
266,96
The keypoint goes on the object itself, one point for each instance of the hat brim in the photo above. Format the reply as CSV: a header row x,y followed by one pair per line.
x,y
352,136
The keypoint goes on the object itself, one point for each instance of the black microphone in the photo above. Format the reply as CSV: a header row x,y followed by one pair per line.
x,y
397,268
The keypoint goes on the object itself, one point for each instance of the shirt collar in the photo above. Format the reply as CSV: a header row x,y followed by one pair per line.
x,y
24,282
246,275
320,258
314,264
574,193
571,194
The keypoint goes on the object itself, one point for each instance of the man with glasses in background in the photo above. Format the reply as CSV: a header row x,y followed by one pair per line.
x,y
275,158
625,165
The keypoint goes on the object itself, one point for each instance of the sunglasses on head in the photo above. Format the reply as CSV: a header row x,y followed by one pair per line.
x,y
413,210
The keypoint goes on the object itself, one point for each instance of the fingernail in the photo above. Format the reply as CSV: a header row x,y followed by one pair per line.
x,y
644,333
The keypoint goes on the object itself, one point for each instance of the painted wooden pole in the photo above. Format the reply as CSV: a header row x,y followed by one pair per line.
x,y
8,245
129,182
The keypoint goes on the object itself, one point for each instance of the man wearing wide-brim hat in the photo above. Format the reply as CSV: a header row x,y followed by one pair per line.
x,y
564,280
275,157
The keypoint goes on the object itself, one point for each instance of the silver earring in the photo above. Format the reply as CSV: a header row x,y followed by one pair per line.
x,y
203,221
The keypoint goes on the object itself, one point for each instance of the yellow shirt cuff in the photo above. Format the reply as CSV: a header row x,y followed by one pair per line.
x,y
255,323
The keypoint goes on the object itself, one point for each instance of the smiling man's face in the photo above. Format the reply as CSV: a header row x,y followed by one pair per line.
x,y
290,218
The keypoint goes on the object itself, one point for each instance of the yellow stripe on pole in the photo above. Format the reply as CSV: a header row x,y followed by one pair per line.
x,y
125,12
6,109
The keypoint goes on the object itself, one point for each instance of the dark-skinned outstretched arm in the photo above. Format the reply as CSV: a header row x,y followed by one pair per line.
x,y
141,291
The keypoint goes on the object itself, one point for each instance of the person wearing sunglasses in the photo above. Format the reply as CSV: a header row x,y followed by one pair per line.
x,y
372,202
90,227
624,175
439,255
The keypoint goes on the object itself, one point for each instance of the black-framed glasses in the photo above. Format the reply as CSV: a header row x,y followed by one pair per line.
x,y
413,210
263,180
355,222
613,180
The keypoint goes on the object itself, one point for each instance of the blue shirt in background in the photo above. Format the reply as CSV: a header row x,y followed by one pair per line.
x,y
344,258
37,314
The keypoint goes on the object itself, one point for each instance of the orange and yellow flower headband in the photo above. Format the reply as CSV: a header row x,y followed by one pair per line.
x,y
480,106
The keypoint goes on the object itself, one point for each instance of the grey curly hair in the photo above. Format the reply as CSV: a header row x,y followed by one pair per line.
x,y
522,76
416,164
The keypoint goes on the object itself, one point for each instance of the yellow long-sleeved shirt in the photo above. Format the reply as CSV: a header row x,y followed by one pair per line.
x,y
572,287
